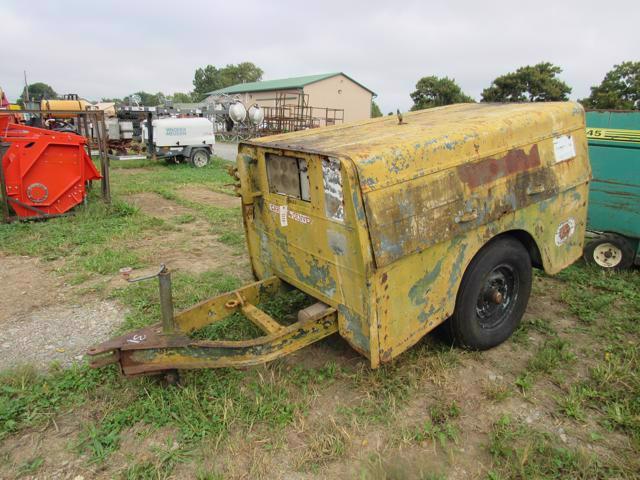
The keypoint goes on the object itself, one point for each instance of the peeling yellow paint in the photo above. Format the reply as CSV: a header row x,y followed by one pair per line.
x,y
421,198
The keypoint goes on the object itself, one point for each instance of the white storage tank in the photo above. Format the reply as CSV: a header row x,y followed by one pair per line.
x,y
168,132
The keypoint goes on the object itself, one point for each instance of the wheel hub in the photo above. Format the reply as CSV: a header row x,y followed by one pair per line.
x,y
607,255
200,159
497,296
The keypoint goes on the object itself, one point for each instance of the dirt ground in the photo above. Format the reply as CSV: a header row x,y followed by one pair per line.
x,y
204,195
156,206
191,246
245,458
46,320
42,319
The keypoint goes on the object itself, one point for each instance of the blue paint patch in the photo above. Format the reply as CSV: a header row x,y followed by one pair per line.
x,y
369,182
457,265
419,289
357,206
354,325
319,276
390,247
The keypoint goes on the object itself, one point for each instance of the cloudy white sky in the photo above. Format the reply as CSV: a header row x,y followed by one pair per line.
x,y
113,48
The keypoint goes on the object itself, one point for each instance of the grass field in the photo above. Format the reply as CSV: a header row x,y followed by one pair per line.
x,y
561,399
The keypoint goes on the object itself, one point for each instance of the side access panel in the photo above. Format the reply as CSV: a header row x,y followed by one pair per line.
x,y
312,244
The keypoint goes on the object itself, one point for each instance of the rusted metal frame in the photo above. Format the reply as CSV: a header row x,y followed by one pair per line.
x,y
220,307
156,355
149,350
260,319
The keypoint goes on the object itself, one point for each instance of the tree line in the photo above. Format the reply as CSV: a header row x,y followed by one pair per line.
x,y
620,88
205,80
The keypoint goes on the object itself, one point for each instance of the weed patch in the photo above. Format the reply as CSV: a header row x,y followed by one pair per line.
x,y
521,452
551,355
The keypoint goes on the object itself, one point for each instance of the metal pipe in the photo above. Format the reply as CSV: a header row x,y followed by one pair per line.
x,y
3,187
166,301
150,147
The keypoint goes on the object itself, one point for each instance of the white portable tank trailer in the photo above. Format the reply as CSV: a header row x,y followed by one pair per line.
x,y
179,139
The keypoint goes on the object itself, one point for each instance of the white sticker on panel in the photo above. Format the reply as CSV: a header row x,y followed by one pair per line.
x,y
563,148
283,216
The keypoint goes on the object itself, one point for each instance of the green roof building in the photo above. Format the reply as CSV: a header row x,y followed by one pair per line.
x,y
332,97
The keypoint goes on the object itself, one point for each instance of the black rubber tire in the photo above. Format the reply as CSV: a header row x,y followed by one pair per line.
x,y
625,250
465,328
198,151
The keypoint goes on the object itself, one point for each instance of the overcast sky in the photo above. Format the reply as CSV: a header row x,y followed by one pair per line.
x,y
113,48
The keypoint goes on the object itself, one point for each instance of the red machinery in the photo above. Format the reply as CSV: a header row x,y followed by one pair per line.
x,y
44,172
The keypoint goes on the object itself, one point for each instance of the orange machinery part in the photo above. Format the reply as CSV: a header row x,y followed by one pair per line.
x,y
45,172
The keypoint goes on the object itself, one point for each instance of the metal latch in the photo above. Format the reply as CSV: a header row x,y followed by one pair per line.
x,y
536,189
466,216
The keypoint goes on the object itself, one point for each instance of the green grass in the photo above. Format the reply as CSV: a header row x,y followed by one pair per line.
x,y
91,241
521,452
140,163
82,234
609,303
552,354
233,239
30,467
170,176
29,398
184,218
387,389
440,428
528,326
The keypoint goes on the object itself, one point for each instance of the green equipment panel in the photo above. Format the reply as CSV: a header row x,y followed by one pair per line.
x,y
614,151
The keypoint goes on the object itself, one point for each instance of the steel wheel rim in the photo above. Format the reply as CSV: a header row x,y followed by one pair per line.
x,y
497,296
200,159
607,255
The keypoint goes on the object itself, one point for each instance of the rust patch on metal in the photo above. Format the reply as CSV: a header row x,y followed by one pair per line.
x,y
491,169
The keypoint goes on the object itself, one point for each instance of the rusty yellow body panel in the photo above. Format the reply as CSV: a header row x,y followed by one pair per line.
x,y
385,217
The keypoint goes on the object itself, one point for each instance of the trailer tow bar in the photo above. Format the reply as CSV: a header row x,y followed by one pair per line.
x,y
166,347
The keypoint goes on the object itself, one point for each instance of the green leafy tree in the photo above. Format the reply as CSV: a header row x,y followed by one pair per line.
x,y
180,97
211,78
537,83
375,110
620,89
38,91
435,91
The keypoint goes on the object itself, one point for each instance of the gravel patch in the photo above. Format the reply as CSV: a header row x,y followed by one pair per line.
x,y
58,333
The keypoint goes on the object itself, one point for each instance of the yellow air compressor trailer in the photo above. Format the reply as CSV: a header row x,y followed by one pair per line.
x,y
395,226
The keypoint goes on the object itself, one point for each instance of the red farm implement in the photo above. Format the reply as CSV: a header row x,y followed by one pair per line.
x,y
44,173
